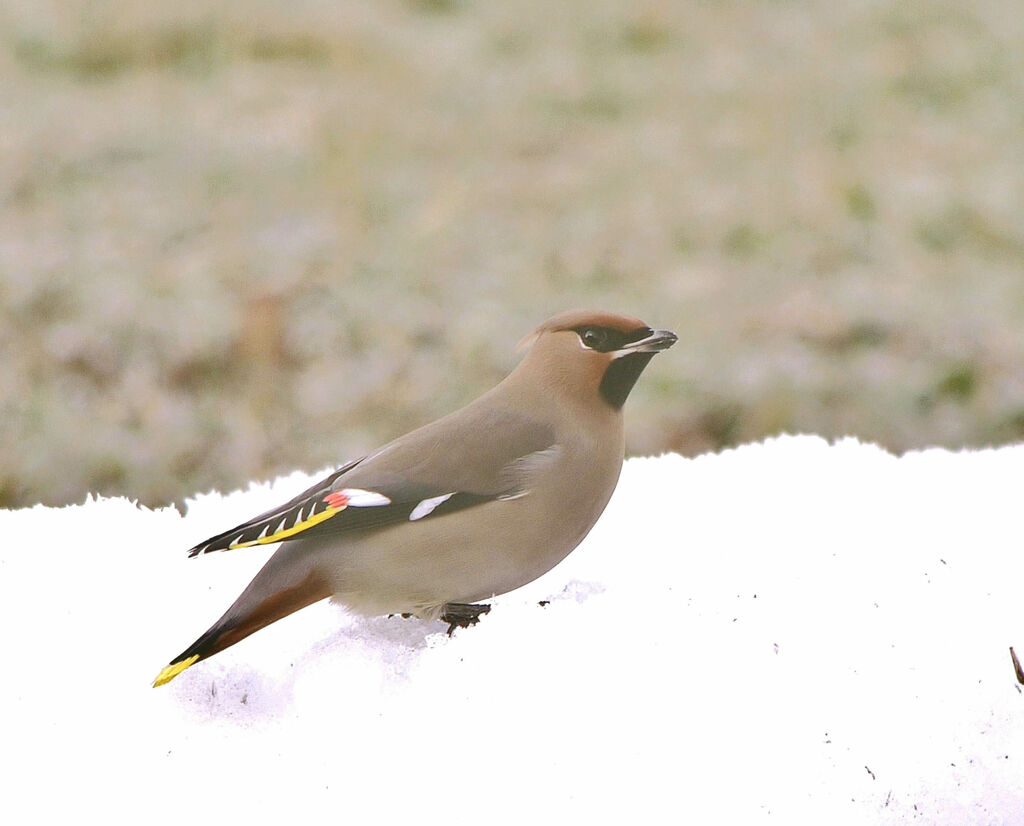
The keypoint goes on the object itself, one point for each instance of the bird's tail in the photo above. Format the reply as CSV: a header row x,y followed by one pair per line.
x,y
251,612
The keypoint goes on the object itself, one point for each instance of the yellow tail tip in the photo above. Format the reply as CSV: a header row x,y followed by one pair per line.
x,y
173,670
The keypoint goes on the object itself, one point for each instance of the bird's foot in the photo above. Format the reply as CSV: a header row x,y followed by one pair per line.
x,y
462,615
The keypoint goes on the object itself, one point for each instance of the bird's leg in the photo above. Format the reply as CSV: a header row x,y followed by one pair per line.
x,y
462,615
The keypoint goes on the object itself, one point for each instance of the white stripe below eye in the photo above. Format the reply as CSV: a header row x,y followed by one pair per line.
x,y
426,507
359,498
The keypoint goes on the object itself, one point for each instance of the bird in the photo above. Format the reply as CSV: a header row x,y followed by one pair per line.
x,y
473,505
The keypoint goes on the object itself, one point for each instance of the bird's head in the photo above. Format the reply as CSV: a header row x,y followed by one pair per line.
x,y
589,352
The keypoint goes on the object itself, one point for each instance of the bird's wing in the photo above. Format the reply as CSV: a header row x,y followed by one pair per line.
x,y
309,508
453,464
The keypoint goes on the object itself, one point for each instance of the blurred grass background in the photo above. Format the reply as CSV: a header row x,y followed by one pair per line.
x,y
242,238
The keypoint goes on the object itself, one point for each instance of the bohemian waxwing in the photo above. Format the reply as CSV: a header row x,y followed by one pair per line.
x,y
475,504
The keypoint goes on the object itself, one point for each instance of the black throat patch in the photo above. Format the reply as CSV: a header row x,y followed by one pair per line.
x,y
620,377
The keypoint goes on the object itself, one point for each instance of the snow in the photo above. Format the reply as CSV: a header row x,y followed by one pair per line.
x,y
789,632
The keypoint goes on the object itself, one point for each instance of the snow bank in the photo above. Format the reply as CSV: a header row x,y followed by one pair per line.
x,y
786,632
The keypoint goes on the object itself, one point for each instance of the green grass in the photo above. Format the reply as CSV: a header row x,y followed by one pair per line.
x,y
244,238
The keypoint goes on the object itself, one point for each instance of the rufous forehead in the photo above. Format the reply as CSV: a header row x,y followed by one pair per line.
x,y
579,318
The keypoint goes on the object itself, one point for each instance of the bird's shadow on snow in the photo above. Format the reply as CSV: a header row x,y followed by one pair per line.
x,y
384,648
383,651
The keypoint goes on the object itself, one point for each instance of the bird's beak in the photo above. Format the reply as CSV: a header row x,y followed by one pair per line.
x,y
657,341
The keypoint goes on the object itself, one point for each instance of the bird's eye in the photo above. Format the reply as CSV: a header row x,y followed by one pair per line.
x,y
593,337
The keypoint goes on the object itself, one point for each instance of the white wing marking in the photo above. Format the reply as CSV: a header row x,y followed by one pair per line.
x,y
426,507
359,498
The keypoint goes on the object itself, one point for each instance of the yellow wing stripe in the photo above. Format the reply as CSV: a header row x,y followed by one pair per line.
x,y
173,670
298,527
